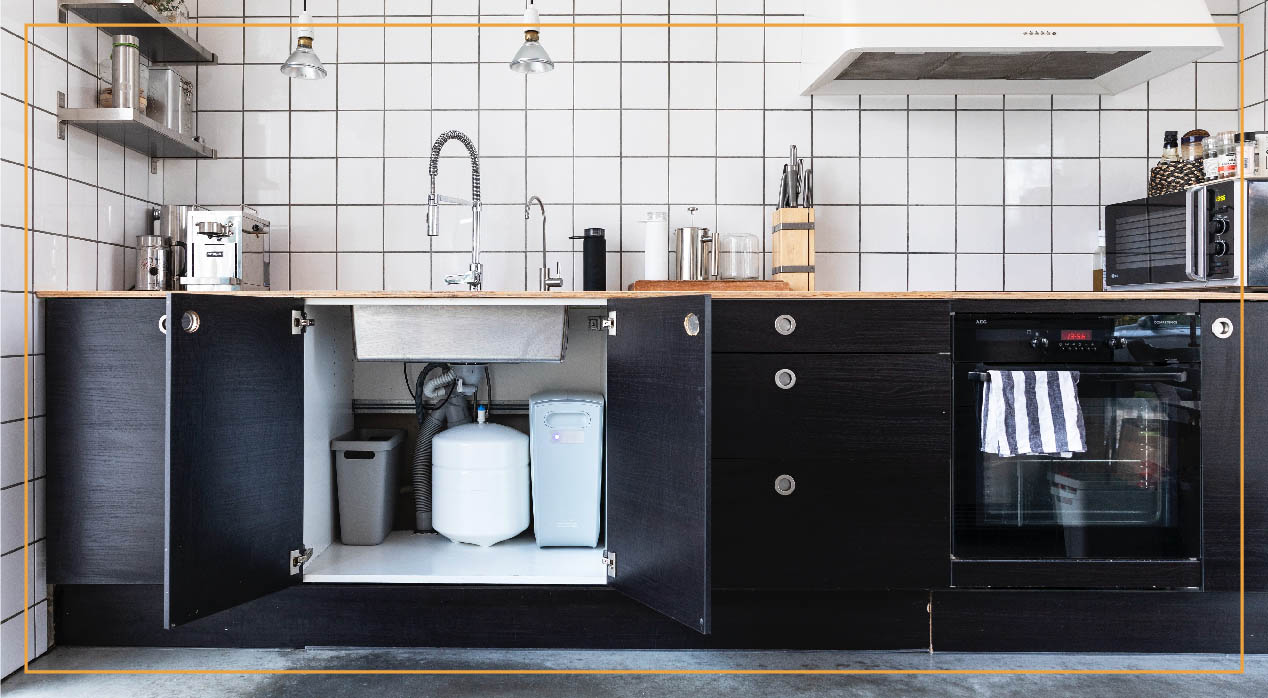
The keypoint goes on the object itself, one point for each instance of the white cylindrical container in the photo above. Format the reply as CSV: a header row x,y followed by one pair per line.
x,y
656,246
479,484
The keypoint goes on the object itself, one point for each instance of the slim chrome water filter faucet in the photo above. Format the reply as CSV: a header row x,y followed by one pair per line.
x,y
545,281
474,276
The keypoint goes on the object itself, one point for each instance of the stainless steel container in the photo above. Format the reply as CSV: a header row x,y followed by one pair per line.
x,y
153,263
125,72
170,221
695,255
171,100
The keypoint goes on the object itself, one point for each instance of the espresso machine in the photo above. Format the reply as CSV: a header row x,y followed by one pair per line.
x,y
228,251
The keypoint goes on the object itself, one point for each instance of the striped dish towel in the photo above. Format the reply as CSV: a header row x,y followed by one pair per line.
x,y
1032,412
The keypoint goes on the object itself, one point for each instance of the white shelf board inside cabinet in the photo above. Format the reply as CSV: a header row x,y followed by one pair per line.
x,y
409,558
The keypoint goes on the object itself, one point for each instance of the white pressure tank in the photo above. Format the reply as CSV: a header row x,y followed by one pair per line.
x,y
480,482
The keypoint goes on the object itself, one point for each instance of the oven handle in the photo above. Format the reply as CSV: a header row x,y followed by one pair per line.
x,y
1179,376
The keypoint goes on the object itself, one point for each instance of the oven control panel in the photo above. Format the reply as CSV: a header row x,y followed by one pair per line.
x,y
1076,337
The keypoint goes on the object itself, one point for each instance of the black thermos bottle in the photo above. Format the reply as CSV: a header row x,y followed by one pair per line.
x,y
594,259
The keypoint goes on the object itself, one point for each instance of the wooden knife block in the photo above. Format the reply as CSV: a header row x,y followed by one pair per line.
x,y
793,247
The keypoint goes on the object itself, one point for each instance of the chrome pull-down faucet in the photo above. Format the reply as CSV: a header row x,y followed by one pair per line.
x,y
545,281
474,276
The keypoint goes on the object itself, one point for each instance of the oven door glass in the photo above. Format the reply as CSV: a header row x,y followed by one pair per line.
x,y
1133,494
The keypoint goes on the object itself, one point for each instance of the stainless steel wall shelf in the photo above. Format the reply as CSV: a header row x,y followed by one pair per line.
x,y
132,129
161,43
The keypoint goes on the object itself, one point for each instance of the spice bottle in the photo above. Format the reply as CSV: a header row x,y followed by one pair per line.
x,y
1229,155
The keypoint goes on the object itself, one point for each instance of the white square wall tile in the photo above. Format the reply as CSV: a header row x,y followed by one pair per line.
x,y
1075,182
1124,133
219,87
1074,228
597,85
836,271
266,181
882,272
1218,86
1076,133
785,128
360,271
979,181
1123,179
359,228
931,134
884,180
739,181
1027,133
931,180
313,271
1027,272
736,83
980,133
930,228
692,85
409,86
931,272
979,272
691,181
836,180
692,132
836,228
596,132
360,181
313,182
360,134
1072,272
645,133
1028,229
882,229
979,229
644,180
313,229
1174,90
265,134
836,132
886,133
1028,181
312,134
644,86
361,86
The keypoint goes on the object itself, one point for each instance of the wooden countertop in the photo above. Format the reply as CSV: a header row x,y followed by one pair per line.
x,y
604,295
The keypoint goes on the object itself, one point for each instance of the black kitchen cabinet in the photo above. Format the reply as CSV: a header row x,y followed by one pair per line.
x,y
186,468
807,515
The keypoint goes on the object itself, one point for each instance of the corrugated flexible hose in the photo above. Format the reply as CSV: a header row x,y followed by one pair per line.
x,y
429,400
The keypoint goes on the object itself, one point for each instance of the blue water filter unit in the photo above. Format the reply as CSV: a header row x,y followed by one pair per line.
x,y
566,452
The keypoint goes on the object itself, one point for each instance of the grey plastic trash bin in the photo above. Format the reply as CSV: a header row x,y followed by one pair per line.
x,y
366,463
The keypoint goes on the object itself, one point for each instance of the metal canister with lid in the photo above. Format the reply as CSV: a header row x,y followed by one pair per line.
x,y
153,263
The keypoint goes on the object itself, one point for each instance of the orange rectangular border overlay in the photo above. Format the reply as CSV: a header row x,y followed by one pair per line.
x,y
26,358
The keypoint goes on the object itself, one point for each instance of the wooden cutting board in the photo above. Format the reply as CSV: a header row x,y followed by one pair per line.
x,y
755,285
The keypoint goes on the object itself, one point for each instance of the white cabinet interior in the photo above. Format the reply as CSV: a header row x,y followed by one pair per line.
x,y
334,380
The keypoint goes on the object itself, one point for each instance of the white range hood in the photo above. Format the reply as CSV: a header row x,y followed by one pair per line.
x,y
1036,58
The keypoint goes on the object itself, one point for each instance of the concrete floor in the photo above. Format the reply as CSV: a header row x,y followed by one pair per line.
x,y
1252,683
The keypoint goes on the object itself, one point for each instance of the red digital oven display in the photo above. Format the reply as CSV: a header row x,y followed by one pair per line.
x,y
1076,335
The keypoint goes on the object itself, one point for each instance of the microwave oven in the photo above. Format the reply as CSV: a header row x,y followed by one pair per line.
x,y
1190,239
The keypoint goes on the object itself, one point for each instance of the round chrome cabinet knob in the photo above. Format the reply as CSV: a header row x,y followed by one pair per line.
x,y
785,325
785,484
785,378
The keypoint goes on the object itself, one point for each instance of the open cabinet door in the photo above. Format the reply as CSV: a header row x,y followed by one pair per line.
x,y
658,368
235,452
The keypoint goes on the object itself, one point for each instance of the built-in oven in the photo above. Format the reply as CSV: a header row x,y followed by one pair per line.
x,y
1124,513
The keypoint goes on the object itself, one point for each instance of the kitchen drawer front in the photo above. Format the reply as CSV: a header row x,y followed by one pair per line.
x,y
899,326
837,404
871,522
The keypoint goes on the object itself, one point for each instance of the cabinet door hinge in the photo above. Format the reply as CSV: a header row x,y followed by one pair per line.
x,y
300,322
609,562
298,558
610,323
